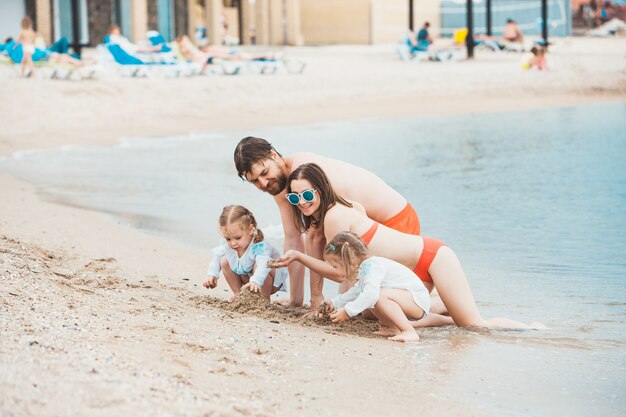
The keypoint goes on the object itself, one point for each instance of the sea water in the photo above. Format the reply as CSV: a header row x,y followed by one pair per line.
x,y
533,203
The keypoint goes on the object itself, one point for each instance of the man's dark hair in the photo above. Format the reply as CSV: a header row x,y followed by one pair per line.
x,y
426,24
250,151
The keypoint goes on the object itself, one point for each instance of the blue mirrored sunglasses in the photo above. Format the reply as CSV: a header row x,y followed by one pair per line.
x,y
306,195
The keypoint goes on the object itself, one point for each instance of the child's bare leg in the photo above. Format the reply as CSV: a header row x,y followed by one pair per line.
x,y
27,60
268,285
388,328
436,305
234,281
393,307
433,320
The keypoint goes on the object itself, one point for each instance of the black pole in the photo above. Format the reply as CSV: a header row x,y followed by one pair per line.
x,y
488,17
75,28
544,21
470,30
240,20
411,15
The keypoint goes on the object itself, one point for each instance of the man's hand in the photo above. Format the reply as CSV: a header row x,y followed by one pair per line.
x,y
211,282
339,316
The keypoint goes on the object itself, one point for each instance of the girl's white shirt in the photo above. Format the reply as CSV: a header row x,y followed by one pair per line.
x,y
375,273
256,254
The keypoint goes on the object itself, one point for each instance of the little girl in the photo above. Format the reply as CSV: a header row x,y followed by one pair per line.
x,y
27,39
386,286
243,256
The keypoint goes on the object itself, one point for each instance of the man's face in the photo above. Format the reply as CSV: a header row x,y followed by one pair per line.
x,y
267,176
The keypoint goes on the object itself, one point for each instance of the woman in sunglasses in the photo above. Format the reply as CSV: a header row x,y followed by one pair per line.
x,y
316,205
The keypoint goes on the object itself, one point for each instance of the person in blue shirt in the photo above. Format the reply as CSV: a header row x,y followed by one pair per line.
x,y
422,41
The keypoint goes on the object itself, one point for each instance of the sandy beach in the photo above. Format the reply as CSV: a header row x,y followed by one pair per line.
x,y
99,319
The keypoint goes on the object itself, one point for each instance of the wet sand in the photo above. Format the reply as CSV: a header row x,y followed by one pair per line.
x,y
98,319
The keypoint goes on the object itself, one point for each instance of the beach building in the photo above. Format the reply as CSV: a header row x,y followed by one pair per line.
x,y
273,22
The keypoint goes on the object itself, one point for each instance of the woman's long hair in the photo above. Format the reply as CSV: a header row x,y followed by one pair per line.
x,y
328,198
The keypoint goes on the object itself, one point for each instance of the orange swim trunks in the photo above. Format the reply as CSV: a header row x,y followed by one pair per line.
x,y
431,246
406,221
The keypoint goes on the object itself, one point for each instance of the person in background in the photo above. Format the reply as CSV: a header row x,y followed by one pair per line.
x,y
27,39
512,32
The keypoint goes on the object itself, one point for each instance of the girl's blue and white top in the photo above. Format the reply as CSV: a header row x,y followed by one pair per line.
x,y
256,254
376,273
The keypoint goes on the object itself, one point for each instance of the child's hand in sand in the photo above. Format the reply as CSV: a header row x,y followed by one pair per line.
x,y
211,282
326,307
289,256
252,286
339,316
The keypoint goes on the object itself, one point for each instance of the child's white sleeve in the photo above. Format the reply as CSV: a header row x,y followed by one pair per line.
x,y
262,254
341,300
371,275
214,266
366,299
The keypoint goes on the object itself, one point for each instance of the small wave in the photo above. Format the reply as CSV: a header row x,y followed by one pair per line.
x,y
21,155
139,142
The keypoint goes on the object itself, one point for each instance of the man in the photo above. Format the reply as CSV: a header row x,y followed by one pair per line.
x,y
259,163
422,40
512,32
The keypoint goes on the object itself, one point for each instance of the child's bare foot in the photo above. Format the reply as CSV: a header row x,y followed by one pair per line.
x,y
232,299
407,336
387,331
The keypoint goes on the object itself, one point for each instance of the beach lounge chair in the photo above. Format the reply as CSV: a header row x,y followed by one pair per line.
x,y
131,66
407,52
56,71
157,39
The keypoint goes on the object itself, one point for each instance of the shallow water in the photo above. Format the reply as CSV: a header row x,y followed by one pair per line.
x,y
534,204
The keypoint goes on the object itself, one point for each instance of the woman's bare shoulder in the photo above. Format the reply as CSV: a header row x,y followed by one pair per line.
x,y
339,215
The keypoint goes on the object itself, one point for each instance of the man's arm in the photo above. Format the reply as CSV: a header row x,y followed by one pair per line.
x,y
314,244
293,240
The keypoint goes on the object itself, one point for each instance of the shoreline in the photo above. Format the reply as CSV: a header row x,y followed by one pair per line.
x,y
103,319
381,108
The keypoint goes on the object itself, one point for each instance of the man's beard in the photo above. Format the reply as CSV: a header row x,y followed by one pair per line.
x,y
277,185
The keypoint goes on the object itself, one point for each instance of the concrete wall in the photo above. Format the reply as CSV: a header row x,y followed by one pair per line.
x,y
99,14
140,19
427,11
44,20
335,21
389,20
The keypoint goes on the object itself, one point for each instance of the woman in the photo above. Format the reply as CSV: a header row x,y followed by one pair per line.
x,y
316,205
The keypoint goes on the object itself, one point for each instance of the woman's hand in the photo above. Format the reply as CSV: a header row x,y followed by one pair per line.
x,y
339,316
290,256
211,282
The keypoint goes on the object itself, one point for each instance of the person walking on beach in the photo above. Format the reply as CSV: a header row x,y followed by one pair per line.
x,y
259,163
431,260
27,38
